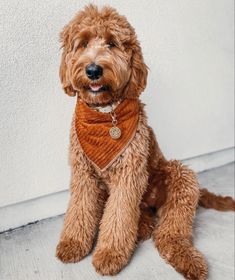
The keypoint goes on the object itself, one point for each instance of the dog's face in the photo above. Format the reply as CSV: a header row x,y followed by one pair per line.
x,y
102,60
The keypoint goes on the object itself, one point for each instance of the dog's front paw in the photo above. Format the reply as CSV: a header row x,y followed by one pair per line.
x,y
70,251
109,262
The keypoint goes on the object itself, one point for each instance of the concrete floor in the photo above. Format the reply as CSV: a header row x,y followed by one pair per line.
x,y
28,253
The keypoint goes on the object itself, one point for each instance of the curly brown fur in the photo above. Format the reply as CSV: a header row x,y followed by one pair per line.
x,y
122,202
85,40
173,233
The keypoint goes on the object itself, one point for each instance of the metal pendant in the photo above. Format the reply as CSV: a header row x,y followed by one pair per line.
x,y
115,132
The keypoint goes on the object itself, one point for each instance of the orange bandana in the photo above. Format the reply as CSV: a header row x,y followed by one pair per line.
x,y
93,131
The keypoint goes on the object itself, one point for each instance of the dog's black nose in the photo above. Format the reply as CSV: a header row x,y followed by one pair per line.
x,y
94,71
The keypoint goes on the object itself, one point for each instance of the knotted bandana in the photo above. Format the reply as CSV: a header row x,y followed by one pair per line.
x,y
94,131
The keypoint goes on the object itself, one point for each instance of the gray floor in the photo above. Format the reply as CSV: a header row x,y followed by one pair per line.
x,y
28,253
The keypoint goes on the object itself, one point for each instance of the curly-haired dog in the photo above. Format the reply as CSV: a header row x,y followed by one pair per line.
x,y
120,178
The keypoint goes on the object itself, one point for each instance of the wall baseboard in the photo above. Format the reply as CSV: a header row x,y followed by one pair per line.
x,y
30,211
212,160
23,213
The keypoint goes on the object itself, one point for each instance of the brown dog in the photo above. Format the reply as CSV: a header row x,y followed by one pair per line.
x,y
120,178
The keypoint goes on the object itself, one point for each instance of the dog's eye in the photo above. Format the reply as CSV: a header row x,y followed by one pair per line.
x,y
84,44
111,45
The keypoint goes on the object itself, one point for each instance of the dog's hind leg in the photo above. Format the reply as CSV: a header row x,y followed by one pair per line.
x,y
146,223
152,200
155,194
173,233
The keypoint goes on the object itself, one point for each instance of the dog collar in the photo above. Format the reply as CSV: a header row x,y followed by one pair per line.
x,y
104,136
114,132
106,109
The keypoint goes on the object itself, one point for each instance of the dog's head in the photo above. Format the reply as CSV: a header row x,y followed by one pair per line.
x,y
101,60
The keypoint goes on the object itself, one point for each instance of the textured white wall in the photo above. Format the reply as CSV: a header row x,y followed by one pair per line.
x,y
188,46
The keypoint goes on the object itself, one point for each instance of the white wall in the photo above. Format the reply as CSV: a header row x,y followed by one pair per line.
x,y
188,46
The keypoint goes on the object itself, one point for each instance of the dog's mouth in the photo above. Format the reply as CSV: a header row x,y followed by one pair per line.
x,y
97,88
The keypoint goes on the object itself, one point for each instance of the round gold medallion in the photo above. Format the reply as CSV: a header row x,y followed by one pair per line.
x,y
115,132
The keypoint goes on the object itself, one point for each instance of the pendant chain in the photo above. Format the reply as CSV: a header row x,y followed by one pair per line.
x,y
114,117
114,131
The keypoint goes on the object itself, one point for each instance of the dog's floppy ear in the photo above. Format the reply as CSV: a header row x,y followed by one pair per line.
x,y
68,41
139,73
64,74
